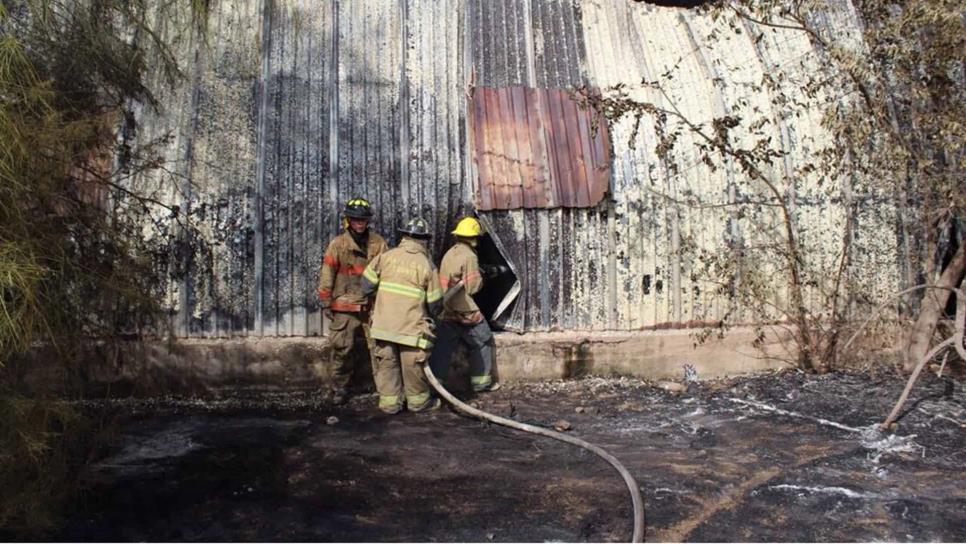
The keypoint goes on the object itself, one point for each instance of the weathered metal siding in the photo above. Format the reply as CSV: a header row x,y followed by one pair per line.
x,y
714,68
562,255
205,132
294,113
220,167
361,101
435,131
288,108
293,106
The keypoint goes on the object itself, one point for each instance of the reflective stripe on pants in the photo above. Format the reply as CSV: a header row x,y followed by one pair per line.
x,y
388,401
398,373
478,339
481,381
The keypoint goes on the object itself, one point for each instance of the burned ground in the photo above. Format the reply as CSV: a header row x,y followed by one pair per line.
x,y
777,457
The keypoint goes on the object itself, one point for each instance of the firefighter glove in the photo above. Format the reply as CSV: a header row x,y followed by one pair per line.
x,y
494,270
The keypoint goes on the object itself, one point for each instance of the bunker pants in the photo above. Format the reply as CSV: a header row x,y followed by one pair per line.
x,y
478,339
398,371
348,331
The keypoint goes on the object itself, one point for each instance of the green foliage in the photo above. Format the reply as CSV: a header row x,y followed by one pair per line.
x,y
43,444
75,263
21,311
71,267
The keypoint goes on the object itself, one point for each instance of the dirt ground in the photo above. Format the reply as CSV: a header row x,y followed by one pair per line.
x,y
777,457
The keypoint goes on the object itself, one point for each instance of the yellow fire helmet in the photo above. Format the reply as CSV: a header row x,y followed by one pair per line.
x,y
468,227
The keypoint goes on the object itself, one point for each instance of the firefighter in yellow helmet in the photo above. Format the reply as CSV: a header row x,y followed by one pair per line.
x,y
462,321
407,291
340,291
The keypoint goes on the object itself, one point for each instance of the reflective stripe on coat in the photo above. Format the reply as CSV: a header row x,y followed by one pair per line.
x,y
340,288
407,292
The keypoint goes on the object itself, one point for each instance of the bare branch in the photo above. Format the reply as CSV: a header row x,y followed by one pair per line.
x,y
956,341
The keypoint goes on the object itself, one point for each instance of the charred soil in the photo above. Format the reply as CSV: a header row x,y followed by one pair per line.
x,y
777,457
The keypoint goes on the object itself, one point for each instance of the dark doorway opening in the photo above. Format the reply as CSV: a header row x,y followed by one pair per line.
x,y
495,289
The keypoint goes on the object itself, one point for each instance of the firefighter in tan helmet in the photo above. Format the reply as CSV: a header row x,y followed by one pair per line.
x,y
461,277
408,294
340,290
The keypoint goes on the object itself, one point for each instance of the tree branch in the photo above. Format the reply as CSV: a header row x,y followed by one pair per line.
x,y
956,341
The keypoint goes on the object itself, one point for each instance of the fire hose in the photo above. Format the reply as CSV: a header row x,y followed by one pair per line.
x,y
636,501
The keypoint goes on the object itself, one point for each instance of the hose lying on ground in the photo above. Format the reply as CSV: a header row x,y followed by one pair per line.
x,y
636,500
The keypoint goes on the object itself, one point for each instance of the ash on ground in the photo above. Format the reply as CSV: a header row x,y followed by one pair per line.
x,y
777,457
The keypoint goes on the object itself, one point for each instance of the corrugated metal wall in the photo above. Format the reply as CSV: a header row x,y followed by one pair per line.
x,y
293,106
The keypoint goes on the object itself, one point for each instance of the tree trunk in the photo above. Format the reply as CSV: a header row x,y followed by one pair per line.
x,y
931,311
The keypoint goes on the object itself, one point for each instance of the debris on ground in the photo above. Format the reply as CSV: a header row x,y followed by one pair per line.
x,y
672,387
744,459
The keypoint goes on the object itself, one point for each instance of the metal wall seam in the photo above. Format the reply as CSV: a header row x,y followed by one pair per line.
x,y
405,156
225,157
710,221
169,120
288,192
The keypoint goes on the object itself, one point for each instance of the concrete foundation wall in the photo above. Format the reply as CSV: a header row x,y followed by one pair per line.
x,y
649,355
194,366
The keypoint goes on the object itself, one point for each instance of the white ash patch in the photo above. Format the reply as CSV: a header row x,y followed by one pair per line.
x,y
776,410
878,444
802,490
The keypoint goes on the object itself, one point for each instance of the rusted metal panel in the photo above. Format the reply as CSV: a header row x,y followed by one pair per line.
x,y
535,148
